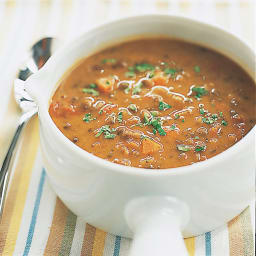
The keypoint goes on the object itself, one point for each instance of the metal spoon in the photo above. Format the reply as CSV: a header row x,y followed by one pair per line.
x,y
39,54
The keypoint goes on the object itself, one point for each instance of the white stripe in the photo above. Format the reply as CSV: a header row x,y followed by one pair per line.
x,y
109,245
220,241
78,237
200,245
125,246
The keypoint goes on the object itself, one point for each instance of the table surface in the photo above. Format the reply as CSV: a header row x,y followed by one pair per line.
x,y
22,22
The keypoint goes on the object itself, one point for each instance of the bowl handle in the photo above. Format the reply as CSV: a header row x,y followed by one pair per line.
x,y
156,222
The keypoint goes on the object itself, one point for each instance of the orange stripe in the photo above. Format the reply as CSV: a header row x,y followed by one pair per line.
x,y
99,242
57,229
190,244
236,243
88,240
25,167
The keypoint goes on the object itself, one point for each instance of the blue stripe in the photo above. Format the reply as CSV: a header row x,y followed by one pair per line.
x,y
34,215
117,246
208,249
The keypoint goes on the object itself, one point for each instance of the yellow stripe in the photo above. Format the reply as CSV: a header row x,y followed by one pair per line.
x,y
26,170
99,243
190,244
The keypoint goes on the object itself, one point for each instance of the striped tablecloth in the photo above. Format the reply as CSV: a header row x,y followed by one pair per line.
x,y
35,222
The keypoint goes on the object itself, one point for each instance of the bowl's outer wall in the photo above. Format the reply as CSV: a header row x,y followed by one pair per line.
x,y
214,194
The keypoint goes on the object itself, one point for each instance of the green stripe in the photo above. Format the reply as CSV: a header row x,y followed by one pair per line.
x,y
68,235
247,234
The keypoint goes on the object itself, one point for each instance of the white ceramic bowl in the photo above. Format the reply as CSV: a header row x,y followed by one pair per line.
x,y
125,200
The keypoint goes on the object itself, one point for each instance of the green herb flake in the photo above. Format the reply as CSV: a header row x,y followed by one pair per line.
x,y
200,91
107,132
101,112
173,127
176,116
154,113
120,117
88,117
208,120
146,119
221,114
202,111
197,69
93,86
137,89
183,148
223,122
133,107
91,91
129,74
198,148
151,75
142,67
183,121
170,71
127,90
196,138
112,61
154,131
163,106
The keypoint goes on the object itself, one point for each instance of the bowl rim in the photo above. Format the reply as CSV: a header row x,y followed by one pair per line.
x,y
129,170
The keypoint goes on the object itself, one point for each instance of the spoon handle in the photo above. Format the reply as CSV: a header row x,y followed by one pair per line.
x,y
5,169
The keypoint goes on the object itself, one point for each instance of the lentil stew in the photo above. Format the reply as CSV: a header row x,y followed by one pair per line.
x,y
155,103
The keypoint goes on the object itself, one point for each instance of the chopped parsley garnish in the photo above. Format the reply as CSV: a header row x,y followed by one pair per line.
x,y
93,86
155,122
151,75
137,89
173,127
130,74
154,113
202,111
210,119
183,148
196,138
146,119
176,116
200,91
107,131
142,67
88,117
170,71
163,106
133,107
101,112
120,117
126,90
223,122
113,61
221,114
182,120
198,148
197,69
91,91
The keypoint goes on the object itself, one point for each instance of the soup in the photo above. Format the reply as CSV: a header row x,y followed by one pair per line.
x,y
155,103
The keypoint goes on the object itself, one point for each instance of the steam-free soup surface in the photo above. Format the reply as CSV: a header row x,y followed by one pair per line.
x,y
155,103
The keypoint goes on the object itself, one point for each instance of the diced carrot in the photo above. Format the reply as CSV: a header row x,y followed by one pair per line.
x,y
105,84
149,146
213,131
160,79
62,109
